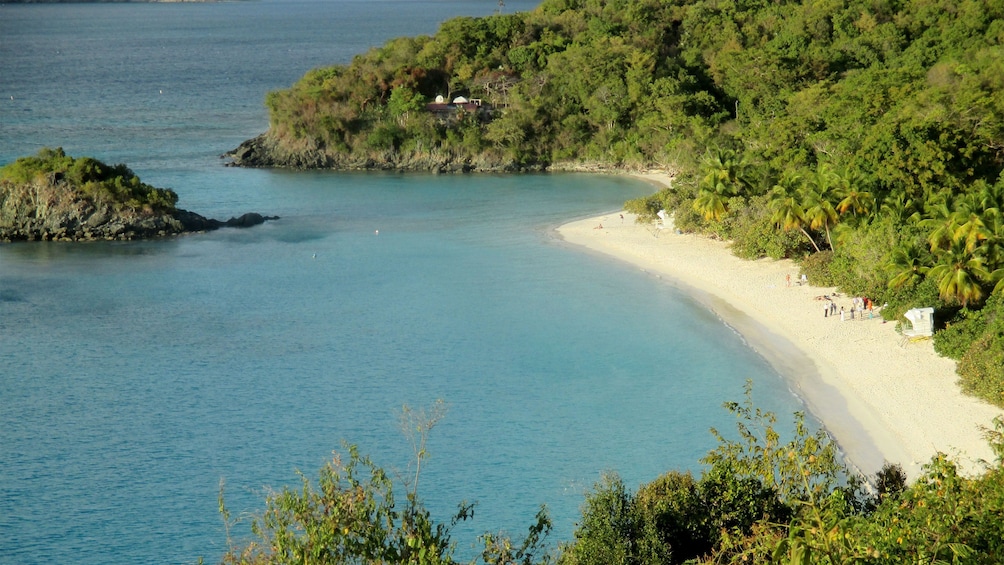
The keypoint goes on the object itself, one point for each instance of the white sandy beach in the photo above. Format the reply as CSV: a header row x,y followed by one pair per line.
x,y
882,400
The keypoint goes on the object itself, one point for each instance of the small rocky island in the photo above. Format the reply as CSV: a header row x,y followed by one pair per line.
x,y
55,197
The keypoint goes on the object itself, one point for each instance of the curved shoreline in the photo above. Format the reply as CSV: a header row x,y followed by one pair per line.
x,y
880,400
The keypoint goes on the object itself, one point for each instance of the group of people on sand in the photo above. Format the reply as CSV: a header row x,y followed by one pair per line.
x,y
859,305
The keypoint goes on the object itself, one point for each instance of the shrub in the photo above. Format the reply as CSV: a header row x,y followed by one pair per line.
x,y
960,333
673,518
755,235
981,367
385,137
645,207
607,531
862,253
115,185
353,514
921,295
816,267
737,501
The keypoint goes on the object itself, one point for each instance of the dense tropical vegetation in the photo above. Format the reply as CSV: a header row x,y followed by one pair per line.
x,y
864,138
759,499
113,185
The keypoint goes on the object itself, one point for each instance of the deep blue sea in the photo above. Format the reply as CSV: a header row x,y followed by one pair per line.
x,y
135,376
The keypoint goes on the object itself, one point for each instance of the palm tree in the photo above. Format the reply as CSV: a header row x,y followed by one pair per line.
x,y
943,224
990,204
959,273
901,207
993,246
711,205
971,228
817,200
786,207
997,277
728,167
909,263
852,198
723,175
991,196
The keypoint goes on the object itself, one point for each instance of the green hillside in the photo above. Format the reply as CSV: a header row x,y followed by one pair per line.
x,y
865,138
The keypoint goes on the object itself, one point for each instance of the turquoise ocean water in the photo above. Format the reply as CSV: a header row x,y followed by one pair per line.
x,y
134,376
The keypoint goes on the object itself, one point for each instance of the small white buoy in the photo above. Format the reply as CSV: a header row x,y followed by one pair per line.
x,y
377,232
315,256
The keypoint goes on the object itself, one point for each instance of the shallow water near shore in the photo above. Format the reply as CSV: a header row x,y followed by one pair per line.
x,y
135,375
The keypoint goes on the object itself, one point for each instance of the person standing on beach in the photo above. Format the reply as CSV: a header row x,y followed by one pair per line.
x,y
841,313
787,279
826,310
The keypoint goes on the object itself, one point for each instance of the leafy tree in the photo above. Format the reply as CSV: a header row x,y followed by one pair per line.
x,y
403,101
352,515
608,529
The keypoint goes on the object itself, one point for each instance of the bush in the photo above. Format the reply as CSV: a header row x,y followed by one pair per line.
x,y
921,295
981,368
674,519
115,185
646,207
737,501
385,137
816,267
960,333
607,531
686,219
353,514
862,253
755,235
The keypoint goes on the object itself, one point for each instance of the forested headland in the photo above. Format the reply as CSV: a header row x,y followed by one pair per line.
x,y
864,138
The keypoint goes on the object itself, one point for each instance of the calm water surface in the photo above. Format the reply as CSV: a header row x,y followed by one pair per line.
x,y
134,376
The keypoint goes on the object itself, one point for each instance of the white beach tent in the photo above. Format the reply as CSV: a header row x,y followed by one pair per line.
x,y
921,323
662,223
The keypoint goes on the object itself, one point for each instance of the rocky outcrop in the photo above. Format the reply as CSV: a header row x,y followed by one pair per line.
x,y
53,210
267,151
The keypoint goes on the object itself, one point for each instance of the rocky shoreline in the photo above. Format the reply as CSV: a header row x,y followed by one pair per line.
x,y
268,152
265,151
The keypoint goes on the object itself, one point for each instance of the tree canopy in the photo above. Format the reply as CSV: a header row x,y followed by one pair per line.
x,y
115,185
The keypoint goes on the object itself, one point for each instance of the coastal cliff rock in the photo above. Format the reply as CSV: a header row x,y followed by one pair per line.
x,y
53,209
269,151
